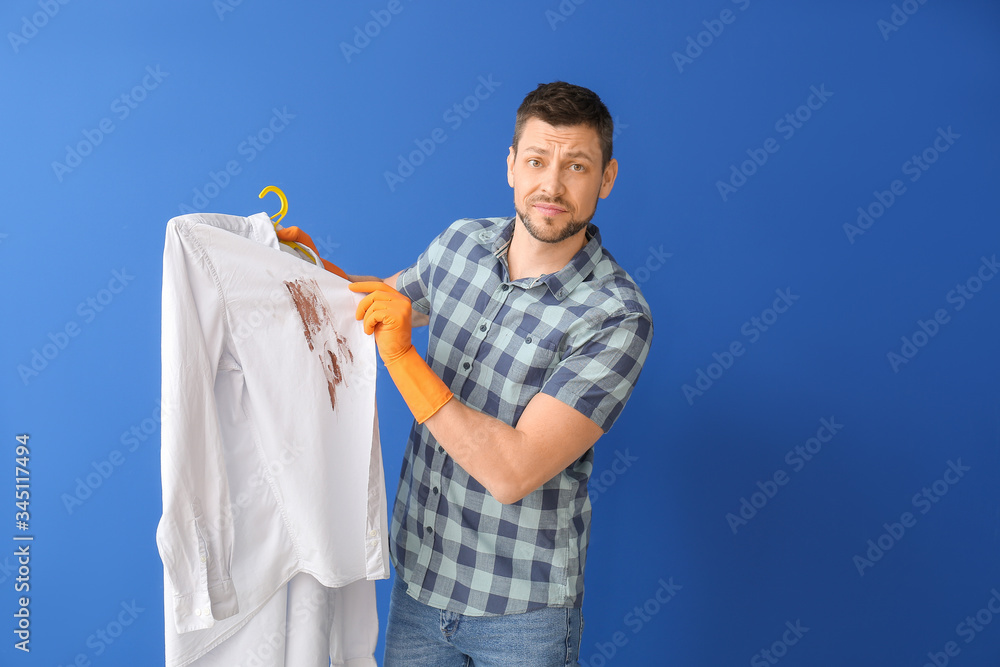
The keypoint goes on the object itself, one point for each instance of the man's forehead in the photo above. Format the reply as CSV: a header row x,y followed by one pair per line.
x,y
539,136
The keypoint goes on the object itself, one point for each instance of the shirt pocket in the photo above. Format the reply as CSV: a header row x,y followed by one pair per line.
x,y
535,356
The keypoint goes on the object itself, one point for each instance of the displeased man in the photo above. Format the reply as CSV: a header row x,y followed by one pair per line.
x,y
537,337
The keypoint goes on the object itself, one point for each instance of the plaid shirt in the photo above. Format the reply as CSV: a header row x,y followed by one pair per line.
x,y
581,335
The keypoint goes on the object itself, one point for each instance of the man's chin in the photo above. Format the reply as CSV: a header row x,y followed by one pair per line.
x,y
548,231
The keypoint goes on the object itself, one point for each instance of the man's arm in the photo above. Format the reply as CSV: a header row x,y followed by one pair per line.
x,y
513,462
510,461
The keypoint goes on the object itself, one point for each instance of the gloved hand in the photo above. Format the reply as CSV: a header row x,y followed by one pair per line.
x,y
296,235
388,314
393,311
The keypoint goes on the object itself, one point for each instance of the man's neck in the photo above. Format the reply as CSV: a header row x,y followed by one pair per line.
x,y
527,257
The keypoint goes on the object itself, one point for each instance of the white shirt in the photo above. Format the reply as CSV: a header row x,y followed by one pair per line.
x,y
270,457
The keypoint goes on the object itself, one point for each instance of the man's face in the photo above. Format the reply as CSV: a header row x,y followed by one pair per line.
x,y
557,179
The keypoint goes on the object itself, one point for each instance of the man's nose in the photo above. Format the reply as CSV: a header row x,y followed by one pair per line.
x,y
552,182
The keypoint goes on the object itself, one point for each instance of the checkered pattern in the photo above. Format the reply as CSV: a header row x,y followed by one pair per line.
x,y
580,335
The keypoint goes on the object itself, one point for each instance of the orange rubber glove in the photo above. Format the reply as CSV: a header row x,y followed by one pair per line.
x,y
296,235
388,314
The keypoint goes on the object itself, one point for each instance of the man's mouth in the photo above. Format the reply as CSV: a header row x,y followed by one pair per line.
x,y
549,210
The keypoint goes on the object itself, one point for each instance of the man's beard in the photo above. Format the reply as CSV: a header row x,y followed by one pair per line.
x,y
545,233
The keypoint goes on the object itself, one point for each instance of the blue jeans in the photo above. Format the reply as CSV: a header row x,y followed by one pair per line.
x,y
421,636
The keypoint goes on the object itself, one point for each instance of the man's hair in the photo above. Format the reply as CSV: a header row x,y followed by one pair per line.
x,y
563,104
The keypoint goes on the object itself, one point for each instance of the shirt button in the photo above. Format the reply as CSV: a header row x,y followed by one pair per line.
x,y
466,365
203,559
430,531
482,327
505,287
197,612
434,490
560,293
373,533
528,339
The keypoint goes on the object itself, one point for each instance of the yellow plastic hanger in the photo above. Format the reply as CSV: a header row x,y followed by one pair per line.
x,y
281,214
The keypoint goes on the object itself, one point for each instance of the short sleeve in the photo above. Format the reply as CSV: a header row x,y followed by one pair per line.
x,y
599,372
436,260
413,281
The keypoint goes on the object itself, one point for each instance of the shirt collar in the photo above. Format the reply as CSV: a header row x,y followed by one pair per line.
x,y
566,279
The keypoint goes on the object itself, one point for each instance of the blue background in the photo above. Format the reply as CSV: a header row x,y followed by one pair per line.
x,y
706,263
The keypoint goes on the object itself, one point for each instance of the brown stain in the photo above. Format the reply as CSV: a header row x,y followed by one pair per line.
x,y
337,375
312,307
318,331
344,347
334,376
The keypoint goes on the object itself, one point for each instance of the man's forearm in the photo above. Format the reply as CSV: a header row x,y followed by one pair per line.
x,y
485,447
510,462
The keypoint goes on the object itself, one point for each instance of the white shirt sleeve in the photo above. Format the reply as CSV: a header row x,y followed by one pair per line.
x,y
195,533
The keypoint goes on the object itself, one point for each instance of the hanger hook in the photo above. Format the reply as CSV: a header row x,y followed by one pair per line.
x,y
284,202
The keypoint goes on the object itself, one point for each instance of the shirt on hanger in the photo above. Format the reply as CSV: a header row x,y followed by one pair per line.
x,y
271,465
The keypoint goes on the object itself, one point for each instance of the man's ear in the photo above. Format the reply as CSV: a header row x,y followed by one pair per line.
x,y
608,178
510,167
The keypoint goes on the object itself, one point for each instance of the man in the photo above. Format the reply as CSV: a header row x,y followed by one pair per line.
x,y
537,338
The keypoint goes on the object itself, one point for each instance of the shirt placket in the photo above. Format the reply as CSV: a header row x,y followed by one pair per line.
x,y
438,477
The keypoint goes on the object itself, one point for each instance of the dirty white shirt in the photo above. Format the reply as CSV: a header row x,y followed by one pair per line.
x,y
270,460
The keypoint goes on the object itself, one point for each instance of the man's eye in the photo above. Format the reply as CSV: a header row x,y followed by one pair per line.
x,y
533,162
577,167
